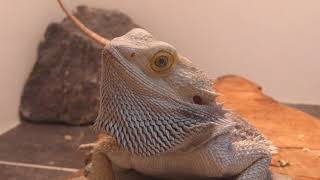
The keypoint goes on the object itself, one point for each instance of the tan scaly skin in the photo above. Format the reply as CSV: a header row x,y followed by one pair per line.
x,y
158,116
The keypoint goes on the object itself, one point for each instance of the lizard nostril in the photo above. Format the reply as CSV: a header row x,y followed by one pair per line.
x,y
197,100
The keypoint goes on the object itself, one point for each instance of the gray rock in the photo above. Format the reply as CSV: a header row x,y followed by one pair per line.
x,y
64,83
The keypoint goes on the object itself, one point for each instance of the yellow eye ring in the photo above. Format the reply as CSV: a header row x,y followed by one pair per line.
x,y
162,61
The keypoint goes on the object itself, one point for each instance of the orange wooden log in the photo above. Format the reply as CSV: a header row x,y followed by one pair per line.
x,y
296,133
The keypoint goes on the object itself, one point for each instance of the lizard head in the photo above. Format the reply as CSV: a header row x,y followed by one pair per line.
x,y
152,95
153,100
161,65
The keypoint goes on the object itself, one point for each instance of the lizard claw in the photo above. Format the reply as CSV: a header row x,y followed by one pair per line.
x,y
87,169
87,146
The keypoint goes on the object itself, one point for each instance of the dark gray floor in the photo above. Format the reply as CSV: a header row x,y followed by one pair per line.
x,y
19,173
45,144
42,144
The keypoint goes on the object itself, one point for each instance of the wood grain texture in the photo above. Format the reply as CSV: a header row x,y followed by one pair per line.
x,y
297,134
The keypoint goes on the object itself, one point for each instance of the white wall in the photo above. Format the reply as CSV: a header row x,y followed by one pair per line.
x,y
275,43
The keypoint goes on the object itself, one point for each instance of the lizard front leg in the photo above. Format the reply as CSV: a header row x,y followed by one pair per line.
x,y
101,168
244,158
100,165
258,170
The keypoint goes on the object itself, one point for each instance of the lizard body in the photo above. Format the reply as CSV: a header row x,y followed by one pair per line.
x,y
161,118
160,129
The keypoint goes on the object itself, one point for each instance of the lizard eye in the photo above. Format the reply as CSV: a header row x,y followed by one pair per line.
x,y
162,61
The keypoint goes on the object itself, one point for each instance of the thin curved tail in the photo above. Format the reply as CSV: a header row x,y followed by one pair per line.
x,y
94,36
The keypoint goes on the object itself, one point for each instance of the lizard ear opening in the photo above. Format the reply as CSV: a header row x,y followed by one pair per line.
x,y
94,36
197,100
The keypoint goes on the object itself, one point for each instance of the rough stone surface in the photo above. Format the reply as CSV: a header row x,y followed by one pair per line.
x,y
64,83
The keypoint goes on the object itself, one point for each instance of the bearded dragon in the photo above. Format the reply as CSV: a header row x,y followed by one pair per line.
x,y
159,116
